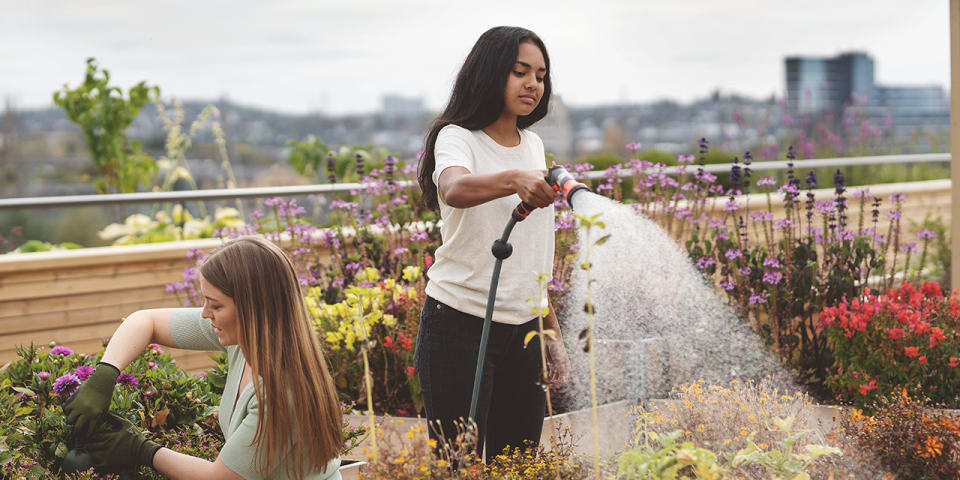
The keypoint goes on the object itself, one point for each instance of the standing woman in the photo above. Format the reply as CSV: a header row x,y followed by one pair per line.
x,y
478,163
279,412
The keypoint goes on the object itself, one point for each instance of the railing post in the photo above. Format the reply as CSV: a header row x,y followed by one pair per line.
x,y
955,143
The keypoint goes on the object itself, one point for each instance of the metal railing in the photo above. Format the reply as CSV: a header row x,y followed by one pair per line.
x,y
326,189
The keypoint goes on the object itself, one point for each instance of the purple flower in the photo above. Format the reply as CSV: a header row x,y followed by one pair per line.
x,y
61,350
772,278
784,223
338,283
66,385
789,188
418,236
715,223
43,375
771,262
908,247
862,193
898,197
744,270
401,250
682,159
554,285
728,285
761,216
825,207
893,214
128,380
733,253
731,206
273,202
721,234
923,234
152,364
201,375
756,298
766,181
634,146
847,235
704,262
83,372
351,266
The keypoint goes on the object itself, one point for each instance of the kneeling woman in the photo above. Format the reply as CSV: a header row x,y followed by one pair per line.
x,y
279,412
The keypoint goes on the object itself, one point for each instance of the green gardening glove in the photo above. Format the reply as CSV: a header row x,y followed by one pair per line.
x,y
121,444
85,408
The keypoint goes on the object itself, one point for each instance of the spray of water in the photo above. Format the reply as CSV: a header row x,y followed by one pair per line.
x,y
658,323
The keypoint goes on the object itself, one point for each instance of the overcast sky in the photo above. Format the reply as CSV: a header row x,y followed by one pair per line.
x,y
302,56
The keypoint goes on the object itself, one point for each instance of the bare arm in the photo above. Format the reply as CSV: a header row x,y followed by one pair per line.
x,y
461,189
179,466
140,329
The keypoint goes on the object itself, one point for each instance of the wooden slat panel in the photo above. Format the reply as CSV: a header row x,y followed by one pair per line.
x,y
109,311
89,285
96,255
107,269
62,303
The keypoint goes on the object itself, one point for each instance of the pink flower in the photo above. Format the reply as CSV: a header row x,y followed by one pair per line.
x,y
410,371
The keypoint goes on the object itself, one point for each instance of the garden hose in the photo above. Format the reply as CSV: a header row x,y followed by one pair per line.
x,y
559,180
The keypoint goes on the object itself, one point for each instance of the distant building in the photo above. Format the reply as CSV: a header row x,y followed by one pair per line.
x,y
396,107
844,86
556,131
818,84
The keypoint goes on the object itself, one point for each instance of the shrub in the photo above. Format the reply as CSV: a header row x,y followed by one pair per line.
x,y
907,437
904,339
387,311
175,408
754,430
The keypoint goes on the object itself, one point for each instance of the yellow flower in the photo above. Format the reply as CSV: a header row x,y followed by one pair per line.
x,y
433,444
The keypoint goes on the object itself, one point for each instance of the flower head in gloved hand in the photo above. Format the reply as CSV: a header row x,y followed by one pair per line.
x,y
122,444
85,408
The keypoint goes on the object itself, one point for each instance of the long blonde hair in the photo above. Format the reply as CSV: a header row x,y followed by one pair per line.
x,y
294,389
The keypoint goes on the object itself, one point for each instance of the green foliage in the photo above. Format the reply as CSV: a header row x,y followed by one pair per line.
x,y
665,458
31,246
175,408
177,224
315,160
102,113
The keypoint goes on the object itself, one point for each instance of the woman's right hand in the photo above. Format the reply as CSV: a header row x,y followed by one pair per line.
x,y
85,408
532,187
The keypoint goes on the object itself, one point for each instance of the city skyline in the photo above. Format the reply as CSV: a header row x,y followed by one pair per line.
x,y
341,58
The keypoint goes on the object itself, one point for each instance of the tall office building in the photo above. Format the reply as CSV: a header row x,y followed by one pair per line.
x,y
821,84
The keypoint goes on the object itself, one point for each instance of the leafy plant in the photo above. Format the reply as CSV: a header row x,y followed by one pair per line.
x,y
910,439
903,339
102,113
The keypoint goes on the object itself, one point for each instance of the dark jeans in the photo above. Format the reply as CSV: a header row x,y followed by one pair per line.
x,y
511,405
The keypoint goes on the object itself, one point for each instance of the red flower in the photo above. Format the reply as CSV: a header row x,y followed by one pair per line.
x,y
864,389
410,371
895,333
922,359
936,336
405,342
911,352
388,341
427,261
931,290
954,362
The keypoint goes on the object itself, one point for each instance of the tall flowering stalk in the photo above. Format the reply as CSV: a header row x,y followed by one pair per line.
x,y
587,224
541,334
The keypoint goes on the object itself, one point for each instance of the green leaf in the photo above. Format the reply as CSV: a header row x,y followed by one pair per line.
x,y
25,391
603,239
22,411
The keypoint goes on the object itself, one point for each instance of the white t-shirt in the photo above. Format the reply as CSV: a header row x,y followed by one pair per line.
x,y
460,275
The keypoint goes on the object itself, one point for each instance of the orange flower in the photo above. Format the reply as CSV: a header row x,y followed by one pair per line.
x,y
911,352
954,362
931,448
922,359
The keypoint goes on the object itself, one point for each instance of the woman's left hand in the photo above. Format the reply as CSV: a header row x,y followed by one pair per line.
x,y
558,365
